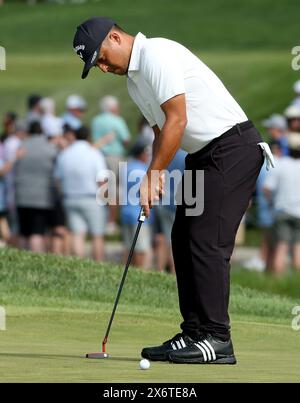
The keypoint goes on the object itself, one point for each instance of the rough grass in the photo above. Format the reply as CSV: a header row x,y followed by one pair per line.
x,y
28,279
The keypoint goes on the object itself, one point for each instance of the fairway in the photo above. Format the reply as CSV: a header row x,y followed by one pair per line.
x,y
51,325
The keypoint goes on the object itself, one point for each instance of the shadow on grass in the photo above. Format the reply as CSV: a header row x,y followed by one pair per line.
x,y
58,356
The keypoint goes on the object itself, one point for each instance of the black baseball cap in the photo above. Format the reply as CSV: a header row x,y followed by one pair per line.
x,y
88,39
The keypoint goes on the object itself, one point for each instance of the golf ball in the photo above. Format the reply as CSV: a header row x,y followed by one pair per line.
x,y
144,364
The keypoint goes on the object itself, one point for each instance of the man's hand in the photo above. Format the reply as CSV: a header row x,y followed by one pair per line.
x,y
108,138
152,188
166,143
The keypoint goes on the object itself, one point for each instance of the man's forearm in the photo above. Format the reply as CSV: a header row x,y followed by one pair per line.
x,y
166,144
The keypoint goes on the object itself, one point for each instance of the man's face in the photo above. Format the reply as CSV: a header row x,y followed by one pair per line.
x,y
294,124
112,55
275,132
77,112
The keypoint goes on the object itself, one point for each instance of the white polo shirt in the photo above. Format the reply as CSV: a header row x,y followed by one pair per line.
x,y
160,69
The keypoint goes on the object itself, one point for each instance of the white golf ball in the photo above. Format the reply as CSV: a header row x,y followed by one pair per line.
x,y
144,364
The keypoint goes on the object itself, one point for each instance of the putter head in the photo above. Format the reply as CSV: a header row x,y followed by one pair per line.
x,y
97,356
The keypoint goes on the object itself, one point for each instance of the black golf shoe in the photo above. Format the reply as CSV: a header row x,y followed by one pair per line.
x,y
207,350
160,353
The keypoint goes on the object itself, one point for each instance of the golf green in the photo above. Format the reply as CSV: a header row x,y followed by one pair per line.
x,y
43,345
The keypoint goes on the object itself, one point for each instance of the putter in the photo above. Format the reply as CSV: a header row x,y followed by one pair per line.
x,y
103,354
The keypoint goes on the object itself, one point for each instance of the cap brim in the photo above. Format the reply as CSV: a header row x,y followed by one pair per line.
x,y
86,70
88,65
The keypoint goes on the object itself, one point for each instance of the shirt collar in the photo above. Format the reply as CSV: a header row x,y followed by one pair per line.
x,y
135,57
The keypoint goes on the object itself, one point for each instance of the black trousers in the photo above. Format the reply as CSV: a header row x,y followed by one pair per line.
x,y
202,244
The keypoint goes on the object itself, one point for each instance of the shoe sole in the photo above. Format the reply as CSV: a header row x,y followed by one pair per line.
x,y
231,360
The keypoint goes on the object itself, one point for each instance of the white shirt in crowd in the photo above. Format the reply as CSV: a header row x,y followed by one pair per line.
x,y
11,145
78,167
283,181
160,69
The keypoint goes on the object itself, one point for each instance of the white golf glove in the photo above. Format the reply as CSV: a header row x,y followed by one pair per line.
x,y
268,155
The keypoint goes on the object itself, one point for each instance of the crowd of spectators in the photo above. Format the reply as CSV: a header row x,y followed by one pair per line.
x,y
51,168
278,194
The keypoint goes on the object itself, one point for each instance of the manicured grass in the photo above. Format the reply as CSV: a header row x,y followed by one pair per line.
x,y
42,345
58,309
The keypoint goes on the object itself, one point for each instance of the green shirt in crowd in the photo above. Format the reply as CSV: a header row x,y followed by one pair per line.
x,y
106,123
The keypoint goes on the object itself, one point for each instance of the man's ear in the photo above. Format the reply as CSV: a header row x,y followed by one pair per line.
x,y
115,37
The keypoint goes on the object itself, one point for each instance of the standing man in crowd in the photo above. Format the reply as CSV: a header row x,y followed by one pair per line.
x,y
35,189
138,163
189,107
10,151
76,171
75,109
282,186
34,113
111,136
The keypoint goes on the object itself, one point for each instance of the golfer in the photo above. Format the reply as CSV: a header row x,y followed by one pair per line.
x,y
188,107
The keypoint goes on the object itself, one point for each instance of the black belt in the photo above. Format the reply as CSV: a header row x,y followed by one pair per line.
x,y
239,128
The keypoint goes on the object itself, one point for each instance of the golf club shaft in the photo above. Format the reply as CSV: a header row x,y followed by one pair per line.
x,y
140,222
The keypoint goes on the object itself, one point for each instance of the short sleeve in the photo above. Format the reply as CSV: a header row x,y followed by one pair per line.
x,y
163,73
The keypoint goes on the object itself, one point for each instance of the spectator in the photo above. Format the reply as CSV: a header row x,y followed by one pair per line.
x,y
10,151
34,109
34,188
54,131
75,109
292,114
9,122
110,134
52,125
283,185
145,130
276,126
4,228
76,173
69,136
164,218
130,209
265,218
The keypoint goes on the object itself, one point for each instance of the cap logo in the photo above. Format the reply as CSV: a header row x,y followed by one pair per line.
x,y
77,50
94,56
